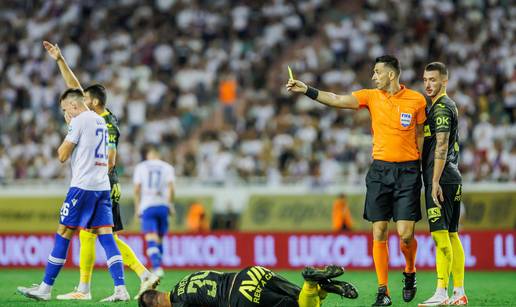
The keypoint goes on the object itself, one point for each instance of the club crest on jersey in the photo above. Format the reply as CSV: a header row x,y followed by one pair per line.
x,y
405,119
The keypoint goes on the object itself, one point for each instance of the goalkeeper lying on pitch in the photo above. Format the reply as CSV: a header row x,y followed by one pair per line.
x,y
251,287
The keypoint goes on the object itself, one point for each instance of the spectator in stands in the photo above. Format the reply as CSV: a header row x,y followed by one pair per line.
x,y
167,73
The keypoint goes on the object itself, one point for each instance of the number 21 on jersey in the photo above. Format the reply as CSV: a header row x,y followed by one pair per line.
x,y
102,146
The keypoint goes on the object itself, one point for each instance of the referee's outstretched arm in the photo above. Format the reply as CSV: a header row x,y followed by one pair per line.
x,y
327,98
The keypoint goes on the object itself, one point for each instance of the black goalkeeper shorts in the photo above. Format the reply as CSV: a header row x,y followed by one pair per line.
x,y
446,218
117,219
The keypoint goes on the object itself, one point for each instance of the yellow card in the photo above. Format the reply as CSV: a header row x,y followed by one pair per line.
x,y
290,74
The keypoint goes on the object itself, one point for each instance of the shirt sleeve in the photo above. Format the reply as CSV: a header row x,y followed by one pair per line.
x,y
137,178
363,97
74,131
442,118
421,112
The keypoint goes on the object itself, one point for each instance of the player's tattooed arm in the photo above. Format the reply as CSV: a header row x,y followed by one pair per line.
x,y
441,151
68,75
441,147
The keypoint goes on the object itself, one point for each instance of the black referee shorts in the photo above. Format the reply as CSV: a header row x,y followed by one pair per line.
x,y
117,219
446,218
393,191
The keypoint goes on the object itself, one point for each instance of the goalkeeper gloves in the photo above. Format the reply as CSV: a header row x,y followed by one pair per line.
x,y
115,192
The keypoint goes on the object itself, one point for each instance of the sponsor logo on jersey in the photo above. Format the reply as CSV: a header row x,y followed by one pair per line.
x,y
252,288
427,131
434,214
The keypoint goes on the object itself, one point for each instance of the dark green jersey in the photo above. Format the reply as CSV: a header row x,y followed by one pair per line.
x,y
442,116
205,288
114,134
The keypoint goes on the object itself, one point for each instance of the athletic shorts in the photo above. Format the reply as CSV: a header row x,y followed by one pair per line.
x,y
257,286
446,218
155,219
86,209
117,218
393,191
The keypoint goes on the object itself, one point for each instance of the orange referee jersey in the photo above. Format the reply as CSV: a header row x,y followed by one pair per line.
x,y
393,121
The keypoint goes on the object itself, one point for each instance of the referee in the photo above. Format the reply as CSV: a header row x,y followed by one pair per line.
x,y
443,186
394,178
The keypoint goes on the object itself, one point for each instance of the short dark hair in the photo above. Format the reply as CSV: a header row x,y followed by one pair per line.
x,y
148,298
440,67
71,93
390,61
97,91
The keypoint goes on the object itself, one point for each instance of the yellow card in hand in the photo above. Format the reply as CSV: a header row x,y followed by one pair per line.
x,y
290,74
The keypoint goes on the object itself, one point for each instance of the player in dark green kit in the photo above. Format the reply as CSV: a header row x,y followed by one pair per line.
x,y
443,186
95,98
251,287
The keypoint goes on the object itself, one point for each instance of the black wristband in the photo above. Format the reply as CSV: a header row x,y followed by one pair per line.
x,y
312,92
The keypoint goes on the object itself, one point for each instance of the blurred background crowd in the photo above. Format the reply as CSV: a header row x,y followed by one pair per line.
x,y
205,80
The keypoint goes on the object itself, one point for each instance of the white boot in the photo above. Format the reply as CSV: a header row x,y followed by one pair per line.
x,y
35,292
120,294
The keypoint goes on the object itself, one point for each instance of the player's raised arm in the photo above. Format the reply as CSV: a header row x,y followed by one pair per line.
x,y
68,75
327,98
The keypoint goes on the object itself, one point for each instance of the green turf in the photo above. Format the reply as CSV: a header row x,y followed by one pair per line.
x,y
483,288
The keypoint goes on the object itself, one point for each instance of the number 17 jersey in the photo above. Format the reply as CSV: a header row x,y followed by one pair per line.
x,y
154,177
89,160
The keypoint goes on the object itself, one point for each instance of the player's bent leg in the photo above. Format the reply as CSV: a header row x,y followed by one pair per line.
x,y
115,265
408,247
458,262
129,258
55,262
309,295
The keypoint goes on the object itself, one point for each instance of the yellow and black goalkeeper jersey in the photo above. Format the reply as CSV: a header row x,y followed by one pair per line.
x,y
113,136
442,116
205,288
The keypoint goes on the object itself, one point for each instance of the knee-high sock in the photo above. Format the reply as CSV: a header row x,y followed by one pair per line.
x,y
56,259
87,258
381,262
153,254
309,295
114,259
409,251
458,261
443,257
129,257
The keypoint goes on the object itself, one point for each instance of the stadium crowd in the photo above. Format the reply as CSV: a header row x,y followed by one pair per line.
x,y
205,80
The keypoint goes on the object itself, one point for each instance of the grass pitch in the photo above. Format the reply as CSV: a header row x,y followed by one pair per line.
x,y
483,288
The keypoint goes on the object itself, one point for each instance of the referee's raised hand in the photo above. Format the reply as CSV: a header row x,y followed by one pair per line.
x,y
296,86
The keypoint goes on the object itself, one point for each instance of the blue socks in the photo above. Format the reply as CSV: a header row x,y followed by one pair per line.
x,y
114,259
154,254
56,259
